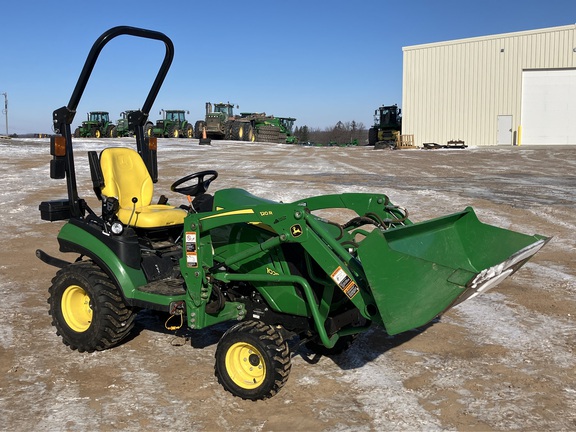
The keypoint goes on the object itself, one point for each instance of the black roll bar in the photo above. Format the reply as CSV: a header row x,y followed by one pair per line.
x,y
63,117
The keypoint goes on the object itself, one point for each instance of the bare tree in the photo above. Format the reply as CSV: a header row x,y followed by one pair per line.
x,y
341,133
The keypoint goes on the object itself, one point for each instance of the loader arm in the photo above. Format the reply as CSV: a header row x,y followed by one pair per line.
x,y
285,223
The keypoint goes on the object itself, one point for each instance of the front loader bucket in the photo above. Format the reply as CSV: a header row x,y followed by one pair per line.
x,y
417,272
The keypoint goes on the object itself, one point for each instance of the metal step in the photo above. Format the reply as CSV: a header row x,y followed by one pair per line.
x,y
165,287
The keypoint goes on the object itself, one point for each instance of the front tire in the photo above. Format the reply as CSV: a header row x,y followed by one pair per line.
x,y
372,136
189,131
237,131
149,130
252,360
172,132
87,308
111,132
198,128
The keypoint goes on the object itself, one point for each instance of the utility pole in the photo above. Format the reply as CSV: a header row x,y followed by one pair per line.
x,y
5,110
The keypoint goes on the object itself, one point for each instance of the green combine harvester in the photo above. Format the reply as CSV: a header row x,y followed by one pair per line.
x,y
276,271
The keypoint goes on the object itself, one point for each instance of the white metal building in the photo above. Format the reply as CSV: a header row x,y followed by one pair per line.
x,y
506,89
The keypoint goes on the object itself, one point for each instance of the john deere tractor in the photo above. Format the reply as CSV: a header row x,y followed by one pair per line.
x,y
221,123
172,125
97,125
122,127
274,272
387,127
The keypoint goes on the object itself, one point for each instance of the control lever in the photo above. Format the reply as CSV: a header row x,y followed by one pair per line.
x,y
134,201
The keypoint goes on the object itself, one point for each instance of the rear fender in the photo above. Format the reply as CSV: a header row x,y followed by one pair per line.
x,y
73,238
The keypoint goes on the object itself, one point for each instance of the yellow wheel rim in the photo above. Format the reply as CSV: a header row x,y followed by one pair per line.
x,y
190,133
245,365
97,134
76,308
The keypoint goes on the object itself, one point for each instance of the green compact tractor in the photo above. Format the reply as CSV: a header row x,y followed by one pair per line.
x,y
385,132
276,272
172,125
97,125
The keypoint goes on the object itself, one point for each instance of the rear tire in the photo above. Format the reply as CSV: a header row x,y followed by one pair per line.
x,y
252,360
87,308
249,133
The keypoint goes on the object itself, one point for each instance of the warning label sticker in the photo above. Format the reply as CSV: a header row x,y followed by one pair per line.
x,y
345,283
192,259
191,252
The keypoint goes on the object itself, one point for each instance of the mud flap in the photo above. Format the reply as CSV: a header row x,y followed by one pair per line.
x,y
419,271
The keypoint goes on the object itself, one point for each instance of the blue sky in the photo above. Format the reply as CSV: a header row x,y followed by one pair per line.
x,y
319,61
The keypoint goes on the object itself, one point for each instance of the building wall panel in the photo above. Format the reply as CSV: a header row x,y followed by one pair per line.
x,y
457,89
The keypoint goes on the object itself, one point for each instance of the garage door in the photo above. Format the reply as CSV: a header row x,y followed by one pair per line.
x,y
549,106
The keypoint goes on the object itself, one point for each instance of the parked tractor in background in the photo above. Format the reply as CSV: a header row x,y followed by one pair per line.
x,y
123,129
287,127
221,123
387,127
97,125
172,125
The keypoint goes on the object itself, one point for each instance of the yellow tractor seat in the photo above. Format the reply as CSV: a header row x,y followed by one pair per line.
x,y
126,177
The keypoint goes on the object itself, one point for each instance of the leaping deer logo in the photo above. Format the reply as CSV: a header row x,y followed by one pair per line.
x,y
296,230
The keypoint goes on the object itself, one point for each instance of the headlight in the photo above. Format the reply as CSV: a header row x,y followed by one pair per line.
x,y
117,228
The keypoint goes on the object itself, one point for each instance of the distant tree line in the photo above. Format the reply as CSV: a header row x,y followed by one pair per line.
x,y
340,133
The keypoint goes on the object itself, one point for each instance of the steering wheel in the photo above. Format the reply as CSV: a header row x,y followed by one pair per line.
x,y
197,189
